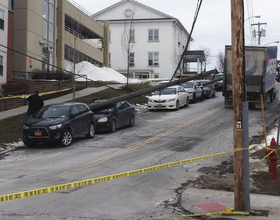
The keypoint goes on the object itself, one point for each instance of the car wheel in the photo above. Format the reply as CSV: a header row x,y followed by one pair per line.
x,y
66,138
113,126
210,94
132,121
202,96
194,98
177,105
91,131
27,143
214,94
187,102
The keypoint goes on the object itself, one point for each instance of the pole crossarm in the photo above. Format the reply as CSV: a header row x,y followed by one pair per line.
x,y
259,30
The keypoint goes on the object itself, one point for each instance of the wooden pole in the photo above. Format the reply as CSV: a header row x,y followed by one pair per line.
x,y
150,89
238,96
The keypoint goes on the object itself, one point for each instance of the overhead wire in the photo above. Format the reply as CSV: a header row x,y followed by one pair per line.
x,y
198,6
69,72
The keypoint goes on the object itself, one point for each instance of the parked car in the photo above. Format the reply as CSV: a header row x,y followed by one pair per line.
x,y
114,116
59,123
208,88
172,97
195,90
218,81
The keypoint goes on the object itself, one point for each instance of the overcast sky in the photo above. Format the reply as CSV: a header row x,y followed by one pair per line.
x,y
213,27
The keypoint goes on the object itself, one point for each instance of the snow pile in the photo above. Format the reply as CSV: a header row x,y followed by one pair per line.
x,y
101,74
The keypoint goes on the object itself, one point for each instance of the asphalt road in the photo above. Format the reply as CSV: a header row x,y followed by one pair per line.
x,y
158,137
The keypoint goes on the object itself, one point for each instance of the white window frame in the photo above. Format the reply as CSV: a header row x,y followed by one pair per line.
x,y
132,35
153,59
1,66
153,35
131,59
2,20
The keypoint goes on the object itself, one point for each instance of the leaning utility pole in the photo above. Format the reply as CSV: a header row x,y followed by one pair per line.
x,y
240,109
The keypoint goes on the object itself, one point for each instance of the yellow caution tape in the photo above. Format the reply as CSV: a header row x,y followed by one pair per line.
x,y
272,150
227,211
27,95
51,189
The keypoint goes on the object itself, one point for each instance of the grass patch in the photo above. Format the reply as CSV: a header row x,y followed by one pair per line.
x,y
264,186
12,131
259,154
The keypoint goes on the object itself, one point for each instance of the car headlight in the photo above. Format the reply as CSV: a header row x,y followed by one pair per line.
x,y
56,127
25,127
171,100
102,120
150,100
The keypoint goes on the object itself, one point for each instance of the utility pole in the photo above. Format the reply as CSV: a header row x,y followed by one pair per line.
x,y
259,31
240,109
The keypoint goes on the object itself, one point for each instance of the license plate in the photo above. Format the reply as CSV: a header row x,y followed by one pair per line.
x,y
159,106
38,133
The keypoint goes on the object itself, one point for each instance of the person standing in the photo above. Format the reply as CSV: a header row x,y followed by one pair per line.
x,y
35,103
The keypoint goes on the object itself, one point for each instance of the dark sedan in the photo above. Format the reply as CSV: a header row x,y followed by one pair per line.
x,y
59,123
114,116
218,79
208,88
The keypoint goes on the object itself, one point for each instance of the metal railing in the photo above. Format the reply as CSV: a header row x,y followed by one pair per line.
x,y
80,8
77,34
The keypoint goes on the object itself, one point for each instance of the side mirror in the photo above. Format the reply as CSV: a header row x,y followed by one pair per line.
x,y
72,116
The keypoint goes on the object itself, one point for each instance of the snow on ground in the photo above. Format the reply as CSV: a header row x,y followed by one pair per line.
x,y
101,74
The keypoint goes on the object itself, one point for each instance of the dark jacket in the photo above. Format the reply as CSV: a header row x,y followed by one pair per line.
x,y
35,102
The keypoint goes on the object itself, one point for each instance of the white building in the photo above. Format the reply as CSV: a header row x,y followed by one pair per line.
x,y
3,40
157,39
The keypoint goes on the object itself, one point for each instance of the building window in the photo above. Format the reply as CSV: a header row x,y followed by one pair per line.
x,y
132,36
75,56
48,20
154,35
1,66
131,59
11,5
1,19
153,59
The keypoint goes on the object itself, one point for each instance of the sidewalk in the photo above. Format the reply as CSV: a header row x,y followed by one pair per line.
x,y
61,99
199,201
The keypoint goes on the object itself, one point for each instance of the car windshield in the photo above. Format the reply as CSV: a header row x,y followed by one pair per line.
x,y
166,91
204,81
218,77
188,85
105,109
54,112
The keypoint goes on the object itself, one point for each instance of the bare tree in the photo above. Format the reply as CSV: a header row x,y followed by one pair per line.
x,y
221,61
74,49
127,42
175,59
208,56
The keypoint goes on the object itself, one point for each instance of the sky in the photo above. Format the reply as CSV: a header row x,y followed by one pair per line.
x,y
213,26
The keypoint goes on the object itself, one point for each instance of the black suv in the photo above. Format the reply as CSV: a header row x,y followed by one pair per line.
x,y
59,123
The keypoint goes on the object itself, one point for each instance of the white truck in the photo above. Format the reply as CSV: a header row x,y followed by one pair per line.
x,y
260,75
